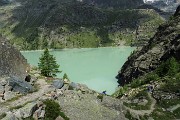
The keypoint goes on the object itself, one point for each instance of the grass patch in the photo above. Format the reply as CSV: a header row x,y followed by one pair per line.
x,y
19,106
168,103
135,106
129,116
119,93
177,113
159,114
16,107
14,98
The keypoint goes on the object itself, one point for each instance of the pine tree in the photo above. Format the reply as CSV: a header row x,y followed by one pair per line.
x,y
47,64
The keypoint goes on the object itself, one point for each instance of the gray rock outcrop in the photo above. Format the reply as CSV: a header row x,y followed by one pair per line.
x,y
58,83
165,44
12,63
19,85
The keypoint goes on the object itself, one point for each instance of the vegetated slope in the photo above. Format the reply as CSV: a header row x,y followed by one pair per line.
x,y
150,79
59,24
12,63
164,45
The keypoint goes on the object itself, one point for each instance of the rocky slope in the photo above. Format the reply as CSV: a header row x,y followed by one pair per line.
x,y
122,4
12,63
165,44
76,101
164,5
60,24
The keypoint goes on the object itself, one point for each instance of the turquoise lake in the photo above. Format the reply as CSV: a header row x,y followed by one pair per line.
x,y
95,67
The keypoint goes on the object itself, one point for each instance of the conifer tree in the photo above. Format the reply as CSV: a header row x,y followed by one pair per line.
x,y
47,64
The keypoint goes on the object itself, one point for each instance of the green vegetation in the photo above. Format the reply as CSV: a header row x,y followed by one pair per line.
x,y
19,106
120,92
159,114
65,76
100,96
168,68
129,116
144,80
141,94
14,98
47,64
53,110
167,76
29,118
16,107
75,25
2,115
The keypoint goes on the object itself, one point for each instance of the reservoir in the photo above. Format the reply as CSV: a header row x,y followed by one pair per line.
x,y
95,67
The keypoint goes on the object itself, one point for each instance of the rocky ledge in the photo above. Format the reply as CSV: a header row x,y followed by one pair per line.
x,y
165,44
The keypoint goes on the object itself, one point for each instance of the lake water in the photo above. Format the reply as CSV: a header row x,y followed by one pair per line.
x,y
95,67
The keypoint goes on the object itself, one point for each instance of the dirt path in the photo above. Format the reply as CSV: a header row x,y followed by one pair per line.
x,y
44,88
143,112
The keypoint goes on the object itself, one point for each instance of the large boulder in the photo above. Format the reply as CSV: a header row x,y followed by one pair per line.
x,y
3,81
164,45
19,85
9,95
177,11
28,109
58,83
12,63
73,85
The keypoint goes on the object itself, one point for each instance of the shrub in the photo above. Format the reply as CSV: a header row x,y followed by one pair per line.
x,y
53,110
170,67
100,96
65,76
136,83
120,92
151,77
2,115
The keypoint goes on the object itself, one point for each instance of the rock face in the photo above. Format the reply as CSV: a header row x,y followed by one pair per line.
x,y
165,5
165,44
19,85
12,63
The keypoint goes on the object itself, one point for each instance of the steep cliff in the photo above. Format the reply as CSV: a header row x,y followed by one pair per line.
x,y
12,63
165,44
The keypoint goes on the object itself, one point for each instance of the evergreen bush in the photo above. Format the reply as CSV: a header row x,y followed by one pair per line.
x,y
47,64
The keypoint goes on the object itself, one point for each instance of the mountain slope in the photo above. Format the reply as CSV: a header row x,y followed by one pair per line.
x,y
59,24
122,4
164,5
164,45
150,79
